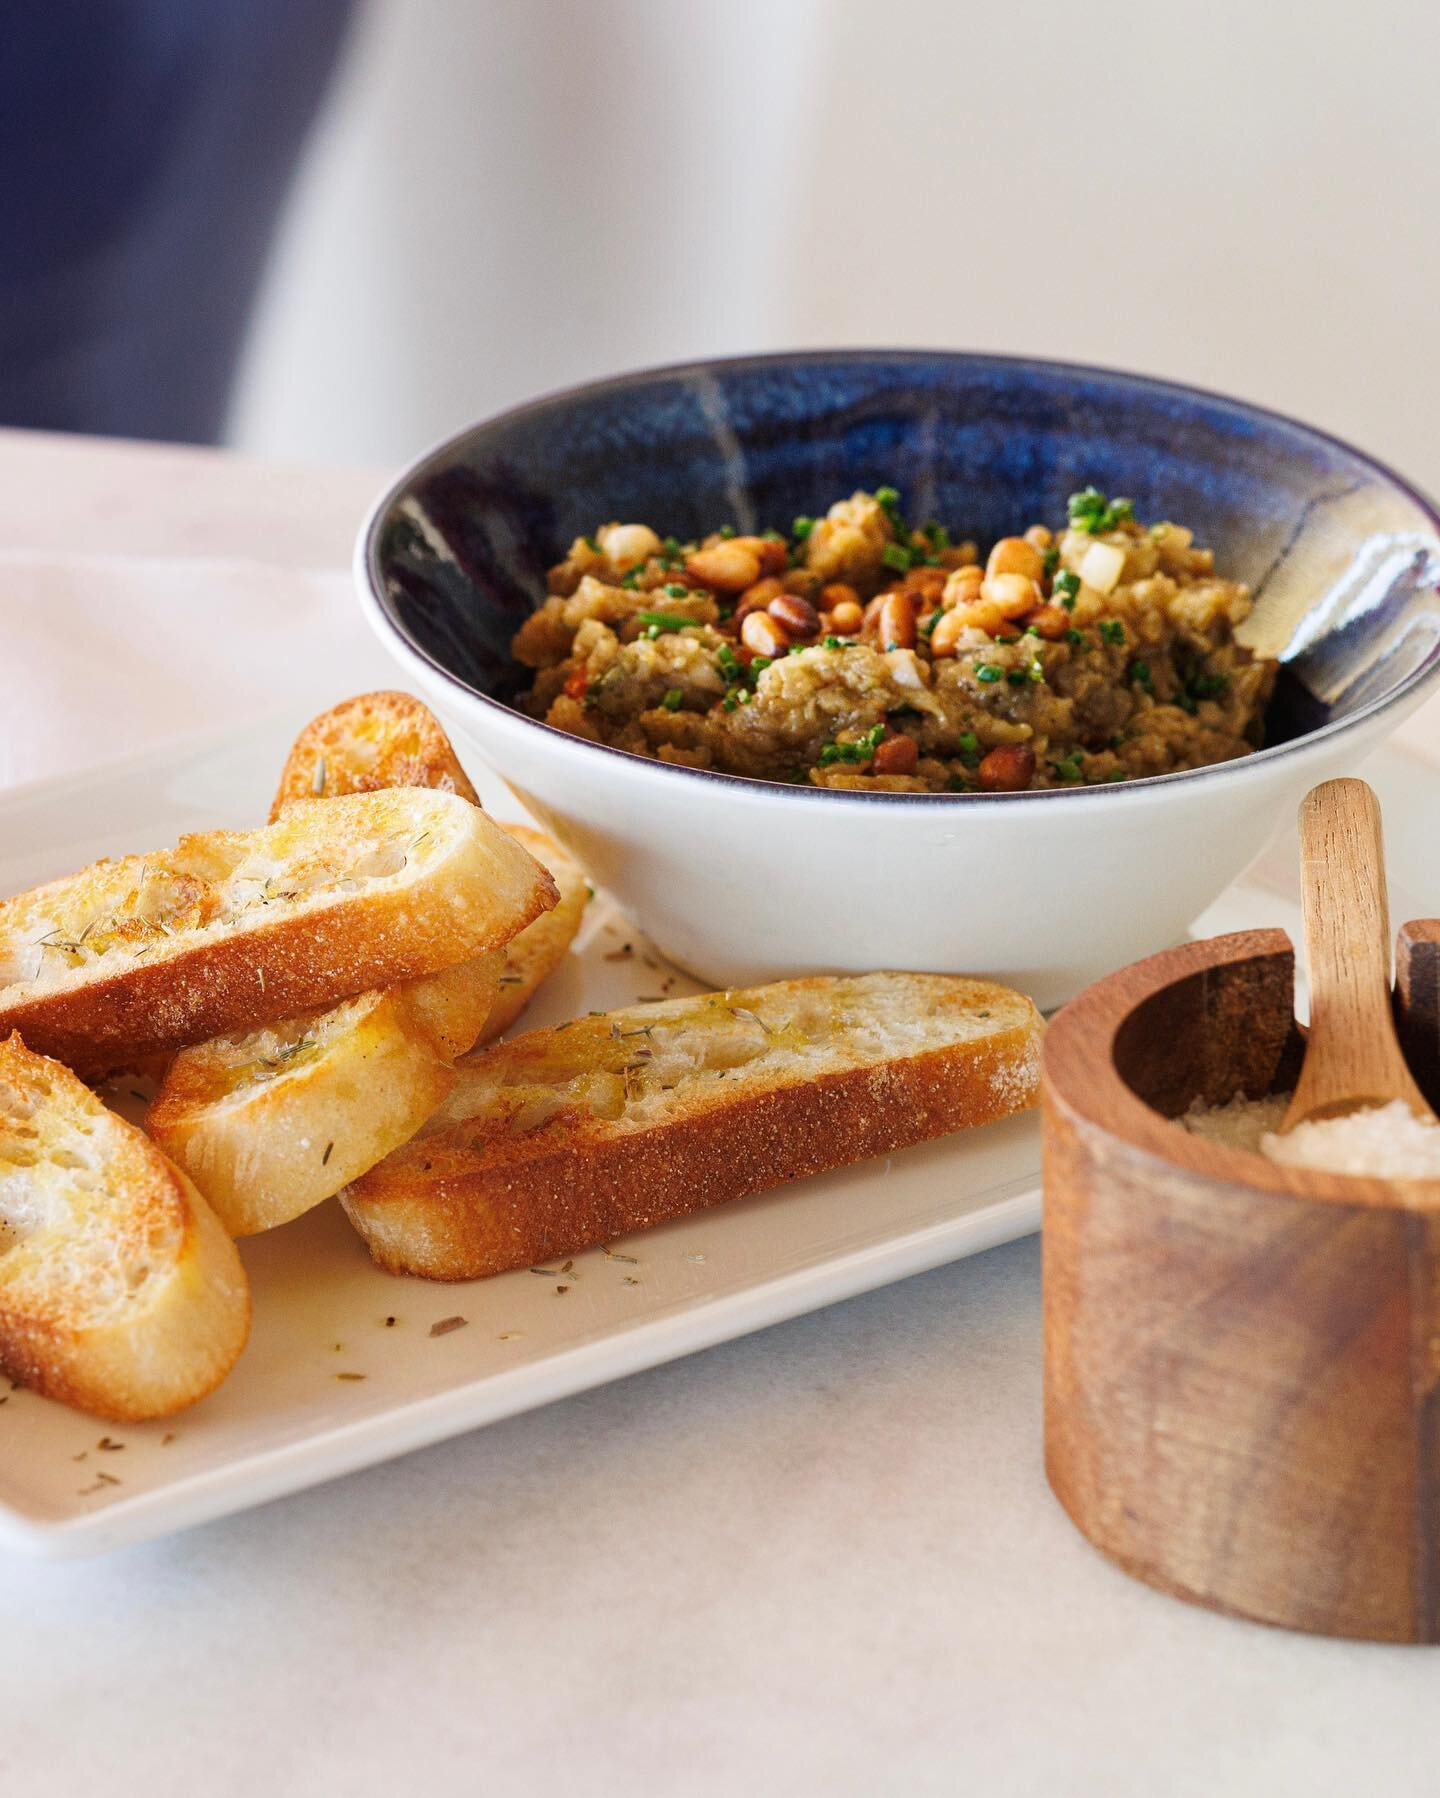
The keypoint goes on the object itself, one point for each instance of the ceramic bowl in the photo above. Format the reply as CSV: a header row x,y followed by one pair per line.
x,y
741,880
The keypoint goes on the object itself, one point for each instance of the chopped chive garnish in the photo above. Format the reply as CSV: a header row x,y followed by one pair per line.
x,y
802,528
1112,630
987,672
664,621
1017,677
673,700
859,751
897,557
832,643
727,530
675,590
1139,672
1091,511
1050,558
1067,585
592,543
1074,637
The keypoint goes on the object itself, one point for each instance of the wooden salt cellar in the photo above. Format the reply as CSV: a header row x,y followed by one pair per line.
x,y
1241,1358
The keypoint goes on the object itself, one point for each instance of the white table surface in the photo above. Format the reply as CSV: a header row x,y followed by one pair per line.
x,y
823,1559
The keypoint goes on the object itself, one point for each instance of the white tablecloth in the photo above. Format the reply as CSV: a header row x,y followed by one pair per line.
x,y
822,1560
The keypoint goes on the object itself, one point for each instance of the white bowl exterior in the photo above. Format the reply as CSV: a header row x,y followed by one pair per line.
x,y
740,883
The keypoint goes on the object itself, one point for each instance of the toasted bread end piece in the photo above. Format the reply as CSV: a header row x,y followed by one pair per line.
x,y
374,740
120,1292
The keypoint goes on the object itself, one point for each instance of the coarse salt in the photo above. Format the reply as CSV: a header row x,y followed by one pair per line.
x,y
1387,1142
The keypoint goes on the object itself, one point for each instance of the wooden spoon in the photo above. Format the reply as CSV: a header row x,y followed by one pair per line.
x,y
1352,1054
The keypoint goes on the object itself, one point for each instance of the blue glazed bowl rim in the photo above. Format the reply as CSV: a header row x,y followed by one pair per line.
x,y
368,571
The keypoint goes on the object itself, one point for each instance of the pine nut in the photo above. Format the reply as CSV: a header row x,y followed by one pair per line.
x,y
798,617
725,567
1008,769
962,586
897,622
1013,555
1012,594
764,635
896,755
947,633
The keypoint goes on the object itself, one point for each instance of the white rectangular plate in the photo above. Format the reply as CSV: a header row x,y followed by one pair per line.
x,y
344,1369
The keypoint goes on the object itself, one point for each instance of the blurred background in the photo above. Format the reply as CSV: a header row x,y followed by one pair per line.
x,y
495,198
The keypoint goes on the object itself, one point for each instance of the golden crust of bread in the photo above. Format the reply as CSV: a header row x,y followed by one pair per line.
x,y
565,1138
373,741
120,1293
533,956
234,928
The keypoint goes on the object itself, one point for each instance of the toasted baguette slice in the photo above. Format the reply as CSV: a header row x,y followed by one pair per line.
x,y
533,956
271,1123
119,1291
373,741
565,1138
235,928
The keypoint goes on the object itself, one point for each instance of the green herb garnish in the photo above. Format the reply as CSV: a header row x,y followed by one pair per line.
x,y
1091,511
1066,588
802,528
673,700
895,556
1139,672
1074,637
675,590
987,672
1112,630
664,621
862,750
